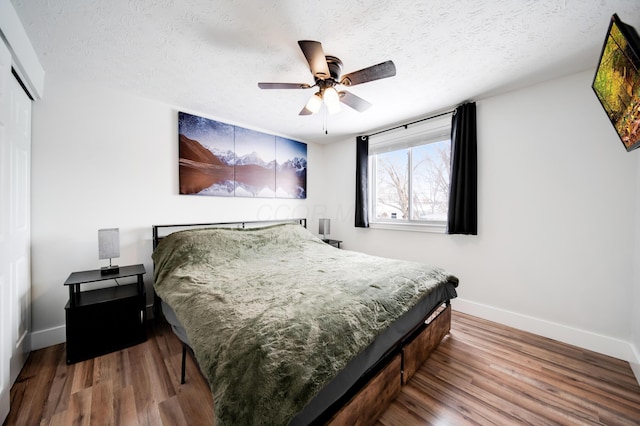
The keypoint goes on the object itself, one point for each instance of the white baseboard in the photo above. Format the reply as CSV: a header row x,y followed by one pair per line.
x,y
584,339
49,337
635,365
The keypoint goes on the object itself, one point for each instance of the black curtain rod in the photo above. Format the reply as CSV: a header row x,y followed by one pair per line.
x,y
413,122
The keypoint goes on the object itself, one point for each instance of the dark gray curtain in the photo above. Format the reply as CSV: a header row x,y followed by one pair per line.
x,y
463,193
362,185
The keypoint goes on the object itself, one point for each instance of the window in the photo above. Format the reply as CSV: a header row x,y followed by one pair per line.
x,y
409,176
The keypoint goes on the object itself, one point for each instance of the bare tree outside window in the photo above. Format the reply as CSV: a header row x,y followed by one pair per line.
x,y
430,184
412,184
392,185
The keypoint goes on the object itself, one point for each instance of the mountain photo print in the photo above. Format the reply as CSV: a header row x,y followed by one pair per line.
x,y
220,159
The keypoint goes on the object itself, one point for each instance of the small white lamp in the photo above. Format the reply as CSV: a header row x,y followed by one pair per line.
x,y
325,228
108,248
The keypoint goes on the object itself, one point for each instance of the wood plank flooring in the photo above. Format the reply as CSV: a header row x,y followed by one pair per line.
x,y
139,385
486,373
482,373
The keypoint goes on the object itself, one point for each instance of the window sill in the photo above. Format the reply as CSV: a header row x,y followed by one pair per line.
x,y
433,227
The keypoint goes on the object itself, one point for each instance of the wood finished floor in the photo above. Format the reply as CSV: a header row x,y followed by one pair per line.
x,y
482,373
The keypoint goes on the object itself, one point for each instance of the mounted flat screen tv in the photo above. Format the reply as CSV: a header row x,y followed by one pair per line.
x,y
617,81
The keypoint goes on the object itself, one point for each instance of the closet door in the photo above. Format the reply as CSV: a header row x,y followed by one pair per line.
x,y
5,250
15,228
20,225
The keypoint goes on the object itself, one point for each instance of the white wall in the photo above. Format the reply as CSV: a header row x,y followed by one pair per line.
x,y
635,304
558,202
556,219
103,158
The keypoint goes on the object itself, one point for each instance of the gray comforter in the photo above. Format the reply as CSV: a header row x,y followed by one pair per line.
x,y
272,314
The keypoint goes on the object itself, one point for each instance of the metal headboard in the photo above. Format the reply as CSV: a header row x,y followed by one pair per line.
x,y
160,231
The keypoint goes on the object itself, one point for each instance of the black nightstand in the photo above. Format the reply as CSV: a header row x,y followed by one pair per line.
x,y
335,243
104,320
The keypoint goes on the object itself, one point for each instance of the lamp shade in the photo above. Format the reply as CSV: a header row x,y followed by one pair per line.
x,y
108,243
325,226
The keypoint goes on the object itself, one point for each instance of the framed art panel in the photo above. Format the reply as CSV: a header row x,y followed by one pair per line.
x,y
255,164
291,174
206,158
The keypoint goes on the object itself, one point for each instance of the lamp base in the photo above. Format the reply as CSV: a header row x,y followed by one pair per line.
x,y
108,270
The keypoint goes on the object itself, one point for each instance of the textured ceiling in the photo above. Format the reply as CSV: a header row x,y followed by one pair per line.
x,y
207,56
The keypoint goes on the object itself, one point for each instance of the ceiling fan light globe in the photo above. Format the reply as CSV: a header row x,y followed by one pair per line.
x,y
314,103
332,100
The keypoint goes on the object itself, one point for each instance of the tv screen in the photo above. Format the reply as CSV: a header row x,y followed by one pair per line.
x,y
617,81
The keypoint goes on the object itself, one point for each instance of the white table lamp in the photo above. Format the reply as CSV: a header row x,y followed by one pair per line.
x,y
325,228
108,248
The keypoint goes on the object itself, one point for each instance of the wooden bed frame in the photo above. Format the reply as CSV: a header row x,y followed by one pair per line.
x,y
371,395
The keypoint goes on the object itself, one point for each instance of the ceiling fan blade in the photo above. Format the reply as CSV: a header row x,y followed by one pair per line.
x,y
312,50
375,72
353,101
305,111
283,85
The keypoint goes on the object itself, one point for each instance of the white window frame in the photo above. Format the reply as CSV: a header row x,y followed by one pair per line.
x,y
422,133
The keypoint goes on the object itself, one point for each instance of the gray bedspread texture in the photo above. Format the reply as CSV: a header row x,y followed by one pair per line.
x,y
273,313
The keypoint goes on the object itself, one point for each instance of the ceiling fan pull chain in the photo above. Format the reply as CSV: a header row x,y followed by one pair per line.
x,y
324,120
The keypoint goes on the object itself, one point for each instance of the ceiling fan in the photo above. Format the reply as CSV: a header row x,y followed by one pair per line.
x,y
326,71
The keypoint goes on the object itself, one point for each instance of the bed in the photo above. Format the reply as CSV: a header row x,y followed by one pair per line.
x,y
290,330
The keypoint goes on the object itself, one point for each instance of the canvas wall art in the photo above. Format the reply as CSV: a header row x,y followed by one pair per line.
x,y
224,160
617,81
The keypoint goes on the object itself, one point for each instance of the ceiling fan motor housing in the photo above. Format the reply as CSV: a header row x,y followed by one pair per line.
x,y
335,67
